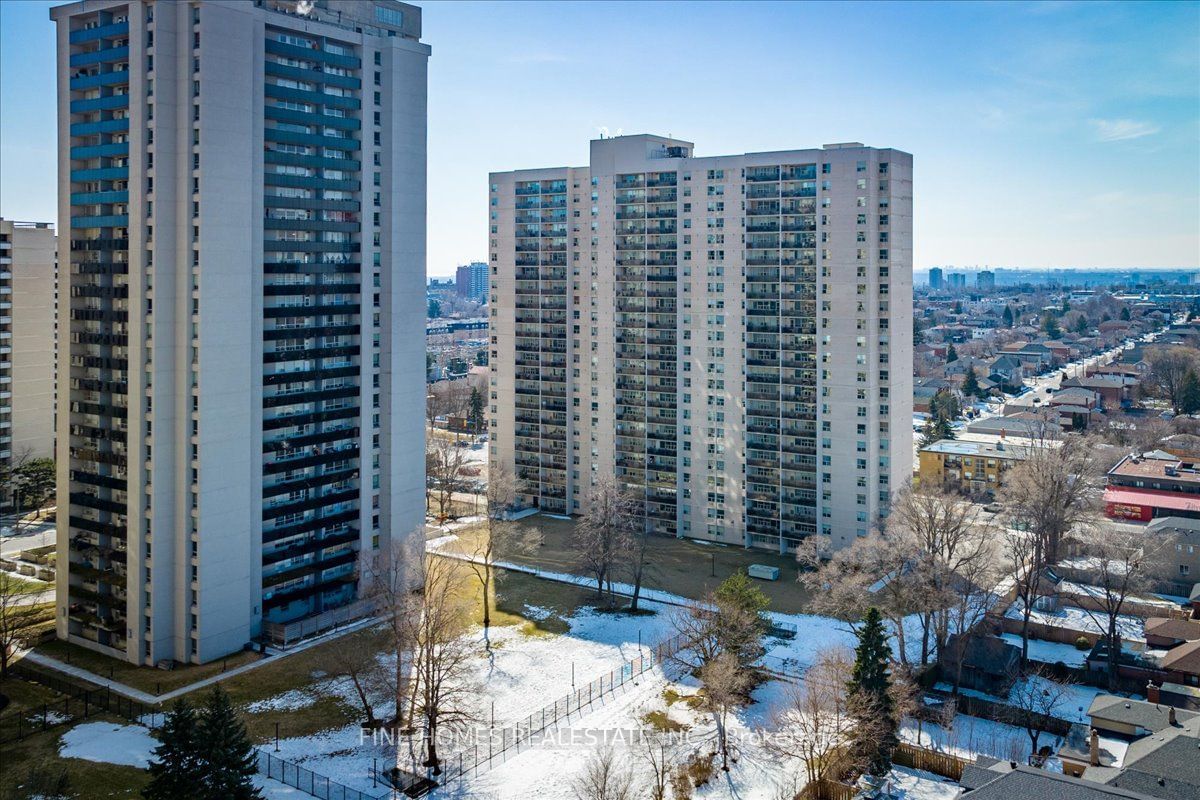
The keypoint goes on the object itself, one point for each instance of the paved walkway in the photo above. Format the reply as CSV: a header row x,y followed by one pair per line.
x,y
273,655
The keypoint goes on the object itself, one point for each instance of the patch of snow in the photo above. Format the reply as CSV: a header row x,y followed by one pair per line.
x,y
440,541
293,700
971,736
1050,652
107,743
1076,619
915,784
274,790
49,718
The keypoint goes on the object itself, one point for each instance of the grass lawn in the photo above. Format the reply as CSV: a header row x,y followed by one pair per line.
x,y
25,584
679,566
148,679
88,779
25,701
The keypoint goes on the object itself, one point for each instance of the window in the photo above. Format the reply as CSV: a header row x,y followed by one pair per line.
x,y
389,16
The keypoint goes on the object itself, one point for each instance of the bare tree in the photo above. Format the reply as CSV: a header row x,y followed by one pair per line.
x,y
1053,490
725,685
360,666
444,687
604,778
1026,560
972,589
1171,369
1122,560
444,461
499,536
659,752
951,547
602,536
814,725
392,574
18,613
1033,700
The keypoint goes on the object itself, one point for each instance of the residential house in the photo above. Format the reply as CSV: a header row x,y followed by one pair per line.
x,y
1116,391
1180,553
989,664
1019,782
1168,632
1125,744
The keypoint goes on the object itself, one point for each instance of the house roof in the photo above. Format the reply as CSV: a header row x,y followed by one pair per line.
x,y
1166,764
1029,783
1074,393
961,447
1183,658
1123,710
1185,629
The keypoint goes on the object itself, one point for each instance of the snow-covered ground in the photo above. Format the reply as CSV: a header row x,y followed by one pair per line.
x,y
546,771
108,743
1050,652
1076,698
1077,619
971,736
915,784
133,746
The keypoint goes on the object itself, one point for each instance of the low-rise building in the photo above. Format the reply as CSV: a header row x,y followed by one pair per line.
x,y
1142,489
966,466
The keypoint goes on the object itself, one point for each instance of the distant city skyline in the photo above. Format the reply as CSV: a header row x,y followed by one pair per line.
x,y
1043,134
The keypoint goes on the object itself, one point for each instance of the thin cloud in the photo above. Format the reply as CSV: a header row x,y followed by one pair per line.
x,y
1120,130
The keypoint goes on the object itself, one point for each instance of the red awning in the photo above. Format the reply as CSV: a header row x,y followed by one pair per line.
x,y
1175,501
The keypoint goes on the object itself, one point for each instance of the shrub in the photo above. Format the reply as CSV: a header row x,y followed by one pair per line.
x,y
1082,643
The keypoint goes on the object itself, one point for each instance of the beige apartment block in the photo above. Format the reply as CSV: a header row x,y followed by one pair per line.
x,y
28,308
242,201
731,336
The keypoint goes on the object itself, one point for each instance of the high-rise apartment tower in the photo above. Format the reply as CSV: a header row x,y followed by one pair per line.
x,y
28,312
731,336
242,208
471,281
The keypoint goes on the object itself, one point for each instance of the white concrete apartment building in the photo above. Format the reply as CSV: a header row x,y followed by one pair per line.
x,y
28,304
730,334
242,201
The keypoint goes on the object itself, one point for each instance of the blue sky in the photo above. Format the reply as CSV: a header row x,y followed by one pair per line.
x,y
1044,134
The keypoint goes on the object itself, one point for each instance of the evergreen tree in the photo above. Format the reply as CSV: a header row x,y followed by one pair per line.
x,y
870,701
951,354
743,605
1050,326
918,334
435,309
475,410
175,771
1008,316
1125,313
1081,324
971,386
227,758
1066,306
936,429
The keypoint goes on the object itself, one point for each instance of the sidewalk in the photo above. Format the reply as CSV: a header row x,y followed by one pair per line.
x,y
273,655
